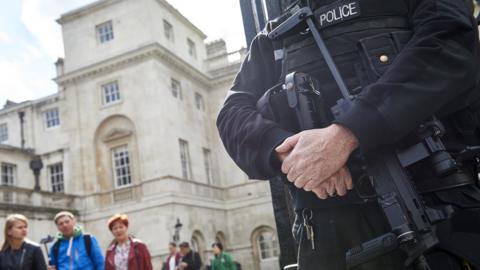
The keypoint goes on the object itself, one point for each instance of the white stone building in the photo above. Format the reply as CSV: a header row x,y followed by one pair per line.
x,y
132,130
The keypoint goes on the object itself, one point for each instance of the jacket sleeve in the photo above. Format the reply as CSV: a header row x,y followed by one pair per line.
x,y
97,255
229,262
108,255
249,138
146,258
38,259
438,64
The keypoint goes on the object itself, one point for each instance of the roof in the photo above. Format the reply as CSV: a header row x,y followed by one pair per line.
x,y
6,147
84,10
25,104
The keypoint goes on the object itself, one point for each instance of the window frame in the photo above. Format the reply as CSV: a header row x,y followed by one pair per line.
x,y
184,151
192,48
168,28
129,173
106,37
271,250
55,176
199,102
208,165
176,88
118,93
49,118
3,133
12,176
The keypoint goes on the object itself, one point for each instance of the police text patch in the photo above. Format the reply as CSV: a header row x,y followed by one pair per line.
x,y
337,12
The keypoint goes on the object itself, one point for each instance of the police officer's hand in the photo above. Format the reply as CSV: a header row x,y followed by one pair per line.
x,y
316,155
338,184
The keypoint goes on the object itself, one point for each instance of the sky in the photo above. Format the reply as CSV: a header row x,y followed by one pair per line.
x,y
31,40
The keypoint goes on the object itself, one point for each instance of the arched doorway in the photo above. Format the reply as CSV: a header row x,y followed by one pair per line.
x,y
197,243
220,238
265,248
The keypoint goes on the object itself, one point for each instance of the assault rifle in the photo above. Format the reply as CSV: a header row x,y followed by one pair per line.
x,y
412,223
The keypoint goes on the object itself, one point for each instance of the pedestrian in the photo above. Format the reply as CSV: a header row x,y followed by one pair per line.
x,y
74,249
18,253
190,259
125,252
221,259
173,258
403,62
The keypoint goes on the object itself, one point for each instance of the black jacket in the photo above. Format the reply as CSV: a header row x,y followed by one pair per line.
x,y
29,257
437,67
193,260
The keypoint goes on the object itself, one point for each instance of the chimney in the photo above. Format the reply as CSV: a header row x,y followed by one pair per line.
x,y
60,67
216,48
9,104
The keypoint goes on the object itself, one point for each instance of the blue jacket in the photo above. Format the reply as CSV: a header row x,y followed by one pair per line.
x,y
79,259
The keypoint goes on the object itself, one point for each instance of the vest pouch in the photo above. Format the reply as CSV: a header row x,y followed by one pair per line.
x,y
378,52
273,105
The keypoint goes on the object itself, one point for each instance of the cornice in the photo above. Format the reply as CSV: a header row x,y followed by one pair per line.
x,y
10,148
179,15
85,10
147,52
98,5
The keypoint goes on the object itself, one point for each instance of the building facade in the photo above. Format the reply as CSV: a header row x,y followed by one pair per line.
x,y
132,130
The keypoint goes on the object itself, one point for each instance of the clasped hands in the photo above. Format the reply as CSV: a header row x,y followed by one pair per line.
x,y
315,160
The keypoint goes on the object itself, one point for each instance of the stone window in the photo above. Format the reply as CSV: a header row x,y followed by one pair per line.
x,y
56,177
199,102
207,158
185,159
52,118
111,92
176,89
8,174
267,245
121,166
168,30
3,133
192,50
105,32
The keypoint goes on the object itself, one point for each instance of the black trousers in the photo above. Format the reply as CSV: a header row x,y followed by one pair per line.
x,y
338,229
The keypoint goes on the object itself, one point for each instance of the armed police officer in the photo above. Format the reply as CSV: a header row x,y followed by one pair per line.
x,y
403,62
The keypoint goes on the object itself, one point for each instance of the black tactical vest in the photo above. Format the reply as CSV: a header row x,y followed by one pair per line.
x,y
364,37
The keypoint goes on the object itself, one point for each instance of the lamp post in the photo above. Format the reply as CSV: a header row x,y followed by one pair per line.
x,y
177,227
36,165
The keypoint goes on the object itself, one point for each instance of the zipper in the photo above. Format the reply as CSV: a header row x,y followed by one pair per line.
x,y
24,250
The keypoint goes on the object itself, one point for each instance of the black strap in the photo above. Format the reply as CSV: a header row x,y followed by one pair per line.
x,y
56,247
87,239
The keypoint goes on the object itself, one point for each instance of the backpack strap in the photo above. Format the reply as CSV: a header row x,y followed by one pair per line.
x,y
87,239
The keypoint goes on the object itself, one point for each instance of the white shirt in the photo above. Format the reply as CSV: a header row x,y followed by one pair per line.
x,y
121,256
171,263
